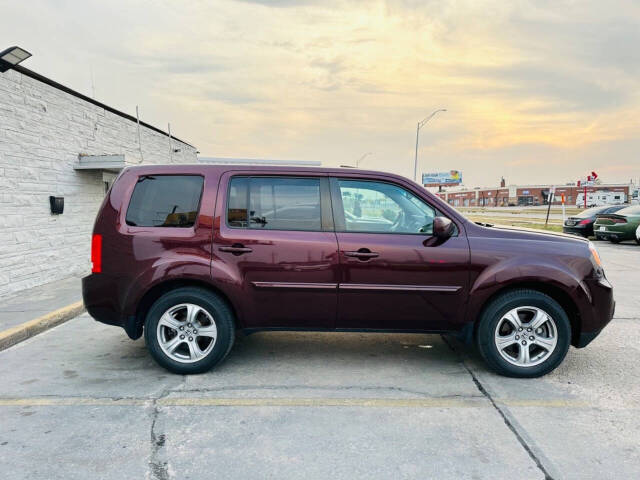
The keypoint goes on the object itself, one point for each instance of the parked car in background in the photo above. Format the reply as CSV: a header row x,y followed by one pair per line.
x,y
186,255
619,226
582,223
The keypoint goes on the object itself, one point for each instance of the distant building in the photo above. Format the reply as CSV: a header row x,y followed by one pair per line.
x,y
530,195
57,142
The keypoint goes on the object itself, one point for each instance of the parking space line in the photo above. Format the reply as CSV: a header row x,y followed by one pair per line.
x,y
469,402
325,402
544,403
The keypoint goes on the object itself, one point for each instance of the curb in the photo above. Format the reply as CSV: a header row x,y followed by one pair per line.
x,y
29,329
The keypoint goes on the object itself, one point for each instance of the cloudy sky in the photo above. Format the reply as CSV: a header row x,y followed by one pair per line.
x,y
540,91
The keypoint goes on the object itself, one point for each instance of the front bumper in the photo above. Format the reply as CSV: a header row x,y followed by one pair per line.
x,y
599,314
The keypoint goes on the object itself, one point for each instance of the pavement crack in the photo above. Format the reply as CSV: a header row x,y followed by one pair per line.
x,y
503,414
158,468
158,464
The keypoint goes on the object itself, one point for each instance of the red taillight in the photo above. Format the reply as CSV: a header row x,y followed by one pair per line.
x,y
619,220
96,253
585,222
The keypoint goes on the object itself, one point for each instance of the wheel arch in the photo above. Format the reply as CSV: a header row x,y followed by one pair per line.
x,y
550,289
159,289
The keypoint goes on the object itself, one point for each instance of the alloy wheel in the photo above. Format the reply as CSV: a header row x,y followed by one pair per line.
x,y
526,336
186,333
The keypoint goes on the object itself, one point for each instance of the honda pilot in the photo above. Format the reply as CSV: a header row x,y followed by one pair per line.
x,y
189,255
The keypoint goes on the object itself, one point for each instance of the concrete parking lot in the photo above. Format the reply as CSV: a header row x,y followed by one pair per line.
x,y
83,401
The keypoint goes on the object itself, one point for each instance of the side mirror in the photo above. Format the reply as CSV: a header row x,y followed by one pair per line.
x,y
443,228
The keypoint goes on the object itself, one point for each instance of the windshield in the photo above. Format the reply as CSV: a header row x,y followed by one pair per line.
x,y
635,210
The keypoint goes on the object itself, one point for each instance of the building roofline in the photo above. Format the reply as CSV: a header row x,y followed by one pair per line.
x,y
258,161
59,86
542,186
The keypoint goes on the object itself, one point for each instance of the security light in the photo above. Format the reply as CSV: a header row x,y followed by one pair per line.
x,y
11,57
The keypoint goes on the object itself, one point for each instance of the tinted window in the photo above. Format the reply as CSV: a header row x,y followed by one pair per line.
x,y
382,207
274,203
590,212
165,201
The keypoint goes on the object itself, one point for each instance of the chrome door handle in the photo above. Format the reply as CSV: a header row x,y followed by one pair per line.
x,y
236,249
362,254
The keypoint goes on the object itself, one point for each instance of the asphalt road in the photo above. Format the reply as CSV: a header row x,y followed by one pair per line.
x,y
82,401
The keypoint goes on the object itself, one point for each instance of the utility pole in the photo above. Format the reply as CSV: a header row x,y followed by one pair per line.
x,y
552,192
362,158
139,137
93,85
420,125
170,146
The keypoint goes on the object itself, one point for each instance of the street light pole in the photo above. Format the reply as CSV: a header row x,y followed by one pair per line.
x,y
12,56
420,125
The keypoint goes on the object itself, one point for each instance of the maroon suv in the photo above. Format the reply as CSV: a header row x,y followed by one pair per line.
x,y
188,254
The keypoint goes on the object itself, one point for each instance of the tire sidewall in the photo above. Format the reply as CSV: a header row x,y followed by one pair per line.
x,y
213,305
494,313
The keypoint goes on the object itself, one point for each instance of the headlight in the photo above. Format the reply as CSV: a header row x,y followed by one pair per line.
x,y
594,254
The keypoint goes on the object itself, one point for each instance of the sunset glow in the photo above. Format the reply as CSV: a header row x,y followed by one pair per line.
x,y
534,91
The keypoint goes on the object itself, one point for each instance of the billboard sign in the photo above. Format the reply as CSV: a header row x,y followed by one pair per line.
x,y
452,177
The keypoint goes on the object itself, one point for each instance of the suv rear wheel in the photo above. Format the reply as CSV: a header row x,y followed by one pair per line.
x,y
189,330
523,333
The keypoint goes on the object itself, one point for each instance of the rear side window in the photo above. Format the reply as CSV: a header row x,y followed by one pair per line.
x,y
165,201
271,203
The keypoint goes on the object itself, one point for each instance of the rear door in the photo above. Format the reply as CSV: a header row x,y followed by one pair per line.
x,y
275,249
394,273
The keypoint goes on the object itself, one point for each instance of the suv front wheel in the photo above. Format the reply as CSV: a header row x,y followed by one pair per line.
x,y
523,333
189,330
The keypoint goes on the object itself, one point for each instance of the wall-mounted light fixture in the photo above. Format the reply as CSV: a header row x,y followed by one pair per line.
x,y
57,205
11,57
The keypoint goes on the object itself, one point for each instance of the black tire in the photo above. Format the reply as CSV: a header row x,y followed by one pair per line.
x,y
495,311
214,306
614,240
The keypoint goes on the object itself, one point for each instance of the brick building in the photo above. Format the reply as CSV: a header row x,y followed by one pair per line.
x,y
527,195
57,142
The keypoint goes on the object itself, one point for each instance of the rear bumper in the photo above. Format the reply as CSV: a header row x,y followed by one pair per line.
x,y
98,299
613,235
584,230
99,292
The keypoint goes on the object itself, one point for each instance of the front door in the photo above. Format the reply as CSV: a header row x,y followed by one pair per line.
x,y
394,274
276,251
